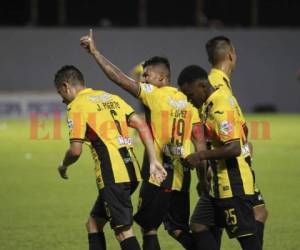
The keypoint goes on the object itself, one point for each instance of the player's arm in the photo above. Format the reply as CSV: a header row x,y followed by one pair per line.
x,y
199,142
246,132
110,70
228,150
157,171
228,130
71,156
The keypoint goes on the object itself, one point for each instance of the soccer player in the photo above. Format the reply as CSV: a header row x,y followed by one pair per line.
x,y
102,120
222,56
174,122
232,183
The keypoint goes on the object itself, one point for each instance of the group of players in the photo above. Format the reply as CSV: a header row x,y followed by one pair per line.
x,y
200,126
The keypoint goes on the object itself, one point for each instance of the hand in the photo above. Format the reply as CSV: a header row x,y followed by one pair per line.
x,y
88,42
63,171
193,160
157,172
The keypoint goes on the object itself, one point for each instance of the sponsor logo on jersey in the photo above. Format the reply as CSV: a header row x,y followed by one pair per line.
x,y
124,140
177,104
99,98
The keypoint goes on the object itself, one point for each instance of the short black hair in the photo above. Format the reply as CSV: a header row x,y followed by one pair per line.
x,y
156,60
216,47
190,74
70,74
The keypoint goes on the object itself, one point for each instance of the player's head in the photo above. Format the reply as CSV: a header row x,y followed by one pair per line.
x,y
193,82
68,82
157,71
219,50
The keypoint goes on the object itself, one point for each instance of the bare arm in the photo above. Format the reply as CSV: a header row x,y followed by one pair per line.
x,y
228,150
246,132
71,156
199,142
232,149
157,171
110,70
144,132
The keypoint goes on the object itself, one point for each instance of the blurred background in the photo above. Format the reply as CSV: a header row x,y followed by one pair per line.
x,y
37,37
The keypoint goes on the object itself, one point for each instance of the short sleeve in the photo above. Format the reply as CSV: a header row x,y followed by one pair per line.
x,y
147,94
228,126
77,122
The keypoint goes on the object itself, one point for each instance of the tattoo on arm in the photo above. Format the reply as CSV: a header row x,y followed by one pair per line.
x,y
116,75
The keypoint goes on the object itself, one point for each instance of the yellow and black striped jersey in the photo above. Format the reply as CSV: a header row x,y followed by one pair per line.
x,y
171,118
101,119
220,80
223,124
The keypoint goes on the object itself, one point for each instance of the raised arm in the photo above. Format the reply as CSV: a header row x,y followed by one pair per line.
x,y
110,70
157,171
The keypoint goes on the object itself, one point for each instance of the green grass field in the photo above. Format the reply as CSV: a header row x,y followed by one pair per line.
x,y
41,211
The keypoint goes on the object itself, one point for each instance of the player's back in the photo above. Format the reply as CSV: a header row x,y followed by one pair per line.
x,y
171,118
102,119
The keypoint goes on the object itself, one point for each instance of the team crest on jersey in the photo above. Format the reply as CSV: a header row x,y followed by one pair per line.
x,y
99,98
177,104
226,127
70,123
147,87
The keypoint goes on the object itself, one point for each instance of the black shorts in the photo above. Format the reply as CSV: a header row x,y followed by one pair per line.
x,y
157,205
258,199
234,214
114,204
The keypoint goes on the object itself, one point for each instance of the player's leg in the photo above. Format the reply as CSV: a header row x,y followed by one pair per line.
x,y
217,233
261,215
202,220
126,238
238,217
177,219
249,243
119,210
153,205
95,225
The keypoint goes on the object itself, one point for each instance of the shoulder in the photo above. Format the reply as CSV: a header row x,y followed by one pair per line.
x,y
148,88
222,101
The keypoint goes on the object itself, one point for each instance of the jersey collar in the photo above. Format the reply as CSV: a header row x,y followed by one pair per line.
x,y
211,98
220,72
84,91
81,92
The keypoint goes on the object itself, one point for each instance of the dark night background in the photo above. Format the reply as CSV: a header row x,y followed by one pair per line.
x,y
167,13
